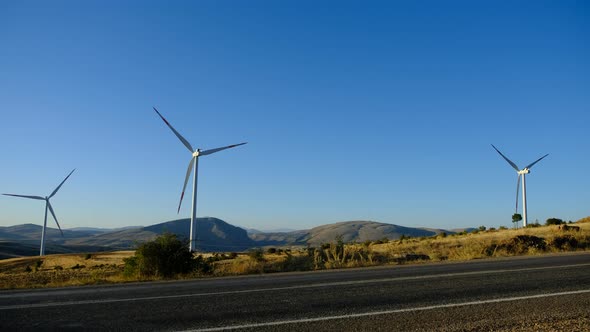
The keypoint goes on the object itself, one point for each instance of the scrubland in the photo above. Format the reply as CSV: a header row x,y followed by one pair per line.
x,y
100,268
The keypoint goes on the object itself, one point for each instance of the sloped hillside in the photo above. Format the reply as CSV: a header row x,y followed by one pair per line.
x,y
212,234
360,231
350,231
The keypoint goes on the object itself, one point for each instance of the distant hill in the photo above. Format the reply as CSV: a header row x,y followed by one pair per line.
x,y
351,231
213,235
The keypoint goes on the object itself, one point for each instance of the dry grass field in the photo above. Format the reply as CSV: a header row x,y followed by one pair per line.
x,y
62,270
490,243
97,268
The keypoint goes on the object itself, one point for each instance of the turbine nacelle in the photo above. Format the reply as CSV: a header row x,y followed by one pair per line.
x,y
197,153
524,171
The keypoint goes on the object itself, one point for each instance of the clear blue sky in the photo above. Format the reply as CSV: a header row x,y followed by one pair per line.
x,y
353,110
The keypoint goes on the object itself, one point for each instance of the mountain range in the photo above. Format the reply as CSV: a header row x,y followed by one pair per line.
x,y
214,235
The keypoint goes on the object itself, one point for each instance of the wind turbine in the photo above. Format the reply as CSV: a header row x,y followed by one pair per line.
x,y
194,165
47,206
521,174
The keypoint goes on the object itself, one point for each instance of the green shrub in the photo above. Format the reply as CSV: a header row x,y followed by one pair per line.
x,y
87,256
202,266
553,221
165,256
297,263
28,269
271,250
130,268
256,254
58,268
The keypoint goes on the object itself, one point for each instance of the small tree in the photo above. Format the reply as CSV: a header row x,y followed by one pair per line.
x,y
516,218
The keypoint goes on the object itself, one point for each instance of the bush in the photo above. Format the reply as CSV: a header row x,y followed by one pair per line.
x,y
166,256
202,266
130,266
565,242
522,244
87,256
553,221
271,250
297,263
256,254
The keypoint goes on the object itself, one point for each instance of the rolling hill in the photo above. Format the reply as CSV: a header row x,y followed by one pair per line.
x,y
214,235
350,231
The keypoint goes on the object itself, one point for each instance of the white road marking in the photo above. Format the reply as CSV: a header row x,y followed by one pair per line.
x,y
385,312
273,289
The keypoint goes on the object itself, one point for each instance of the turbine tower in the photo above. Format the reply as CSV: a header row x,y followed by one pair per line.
x,y
194,166
521,174
47,207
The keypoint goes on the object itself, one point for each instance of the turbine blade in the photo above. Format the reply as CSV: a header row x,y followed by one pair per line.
x,y
182,139
508,160
56,189
188,175
26,196
517,190
206,152
531,165
54,217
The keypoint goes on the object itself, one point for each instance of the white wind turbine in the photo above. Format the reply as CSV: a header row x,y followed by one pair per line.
x,y
194,165
47,206
521,174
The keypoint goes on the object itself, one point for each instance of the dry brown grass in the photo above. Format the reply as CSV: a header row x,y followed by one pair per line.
x,y
476,245
62,270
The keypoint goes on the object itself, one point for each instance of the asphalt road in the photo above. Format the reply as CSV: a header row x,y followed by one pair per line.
x,y
534,293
